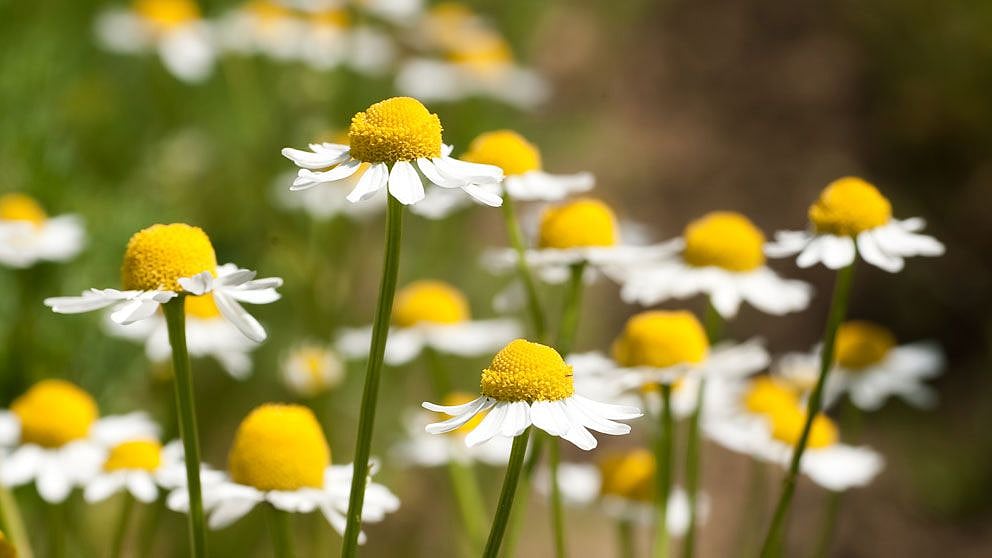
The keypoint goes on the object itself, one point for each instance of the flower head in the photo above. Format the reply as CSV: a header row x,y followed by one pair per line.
x,y
279,447
53,413
28,235
526,371
629,475
311,369
582,223
157,257
505,149
860,344
396,129
849,206
787,426
724,239
15,206
142,454
769,396
429,301
660,339
167,14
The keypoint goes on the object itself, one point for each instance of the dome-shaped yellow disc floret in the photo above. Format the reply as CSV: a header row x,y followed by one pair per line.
x,y
460,398
659,339
629,475
429,302
53,413
860,344
526,371
203,307
157,257
724,239
144,455
21,207
768,396
167,13
787,426
849,206
505,149
584,222
279,447
397,129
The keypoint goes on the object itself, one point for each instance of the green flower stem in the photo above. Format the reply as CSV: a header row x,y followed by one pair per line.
x,y
439,375
175,318
523,270
506,494
120,532
12,524
282,533
571,309
625,539
663,455
56,532
523,494
838,310
370,395
557,511
149,527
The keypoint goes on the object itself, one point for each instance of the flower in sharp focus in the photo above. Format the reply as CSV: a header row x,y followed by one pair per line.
x,y
280,456
391,136
430,314
852,217
529,383
426,450
29,236
166,261
721,256
310,369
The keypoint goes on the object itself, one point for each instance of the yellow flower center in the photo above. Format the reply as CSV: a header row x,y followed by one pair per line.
x,y
660,339
267,12
397,129
7,549
860,344
525,371
431,302
167,13
505,149
768,396
848,206
53,413
279,447
157,257
629,476
202,307
724,239
581,223
145,455
484,51
787,426
460,398
331,18
21,207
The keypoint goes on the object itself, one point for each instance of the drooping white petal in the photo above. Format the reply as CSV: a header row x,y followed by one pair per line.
x,y
198,284
837,251
321,155
245,322
490,425
308,179
142,487
371,182
872,253
405,184
484,195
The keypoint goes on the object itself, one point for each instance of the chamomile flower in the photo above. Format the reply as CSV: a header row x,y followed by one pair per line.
x,y
56,438
429,314
870,367
166,261
173,28
722,257
29,236
136,466
529,384
764,418
310,369
280,456
852,217
390,136
426,450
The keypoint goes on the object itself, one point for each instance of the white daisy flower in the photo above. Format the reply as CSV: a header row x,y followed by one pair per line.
x,y
280,457
173,28
164,261
391,135
28,236
310,369
53,436
852,217
529,384
134,465
721,255
429,314
426,450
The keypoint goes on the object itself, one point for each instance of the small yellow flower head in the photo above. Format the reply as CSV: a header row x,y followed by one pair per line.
x,y
53,413
202,307
144,455
429,302
860,344
724,239
505,149
849,206
7,548
585,222
787,426
460,398
397,129
311,370
629,476
279,447
525,371
167,13
768,396
21,207
659,339
157,257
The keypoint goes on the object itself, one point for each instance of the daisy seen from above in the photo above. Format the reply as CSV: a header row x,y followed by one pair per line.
x,y
28,236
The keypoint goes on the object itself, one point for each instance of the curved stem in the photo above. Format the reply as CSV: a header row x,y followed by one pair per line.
x,y
663,457
370,395
523,270
625,538
120,532
557,511
282,533
838,310
506,494
175,318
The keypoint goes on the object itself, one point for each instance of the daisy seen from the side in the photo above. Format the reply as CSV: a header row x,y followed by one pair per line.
x,y
28,236
310,369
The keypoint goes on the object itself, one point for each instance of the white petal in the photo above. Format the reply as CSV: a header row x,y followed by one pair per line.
x,y
371,182
308,179
321,156
198,284
872,253
102,487
245,322
837,251
141,486
405,184
484,195
490,425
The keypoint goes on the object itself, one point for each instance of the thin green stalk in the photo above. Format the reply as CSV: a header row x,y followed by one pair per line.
x,y
557,511
12,523
370,395
439,375
838,310
625,539
175,318
506,494
120,532
282,533
470,502
56,531
523,270
663,456
571,309
523,494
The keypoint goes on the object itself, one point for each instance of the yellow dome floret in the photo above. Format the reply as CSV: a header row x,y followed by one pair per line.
x,y
584,222
505,149
429,302
525,371
157,257
202,307
279,447
460,398
21,207
167,14
397,129
724,239
849,206
787,426
144,455
53,413
768,396
860,344
659,339
629,476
